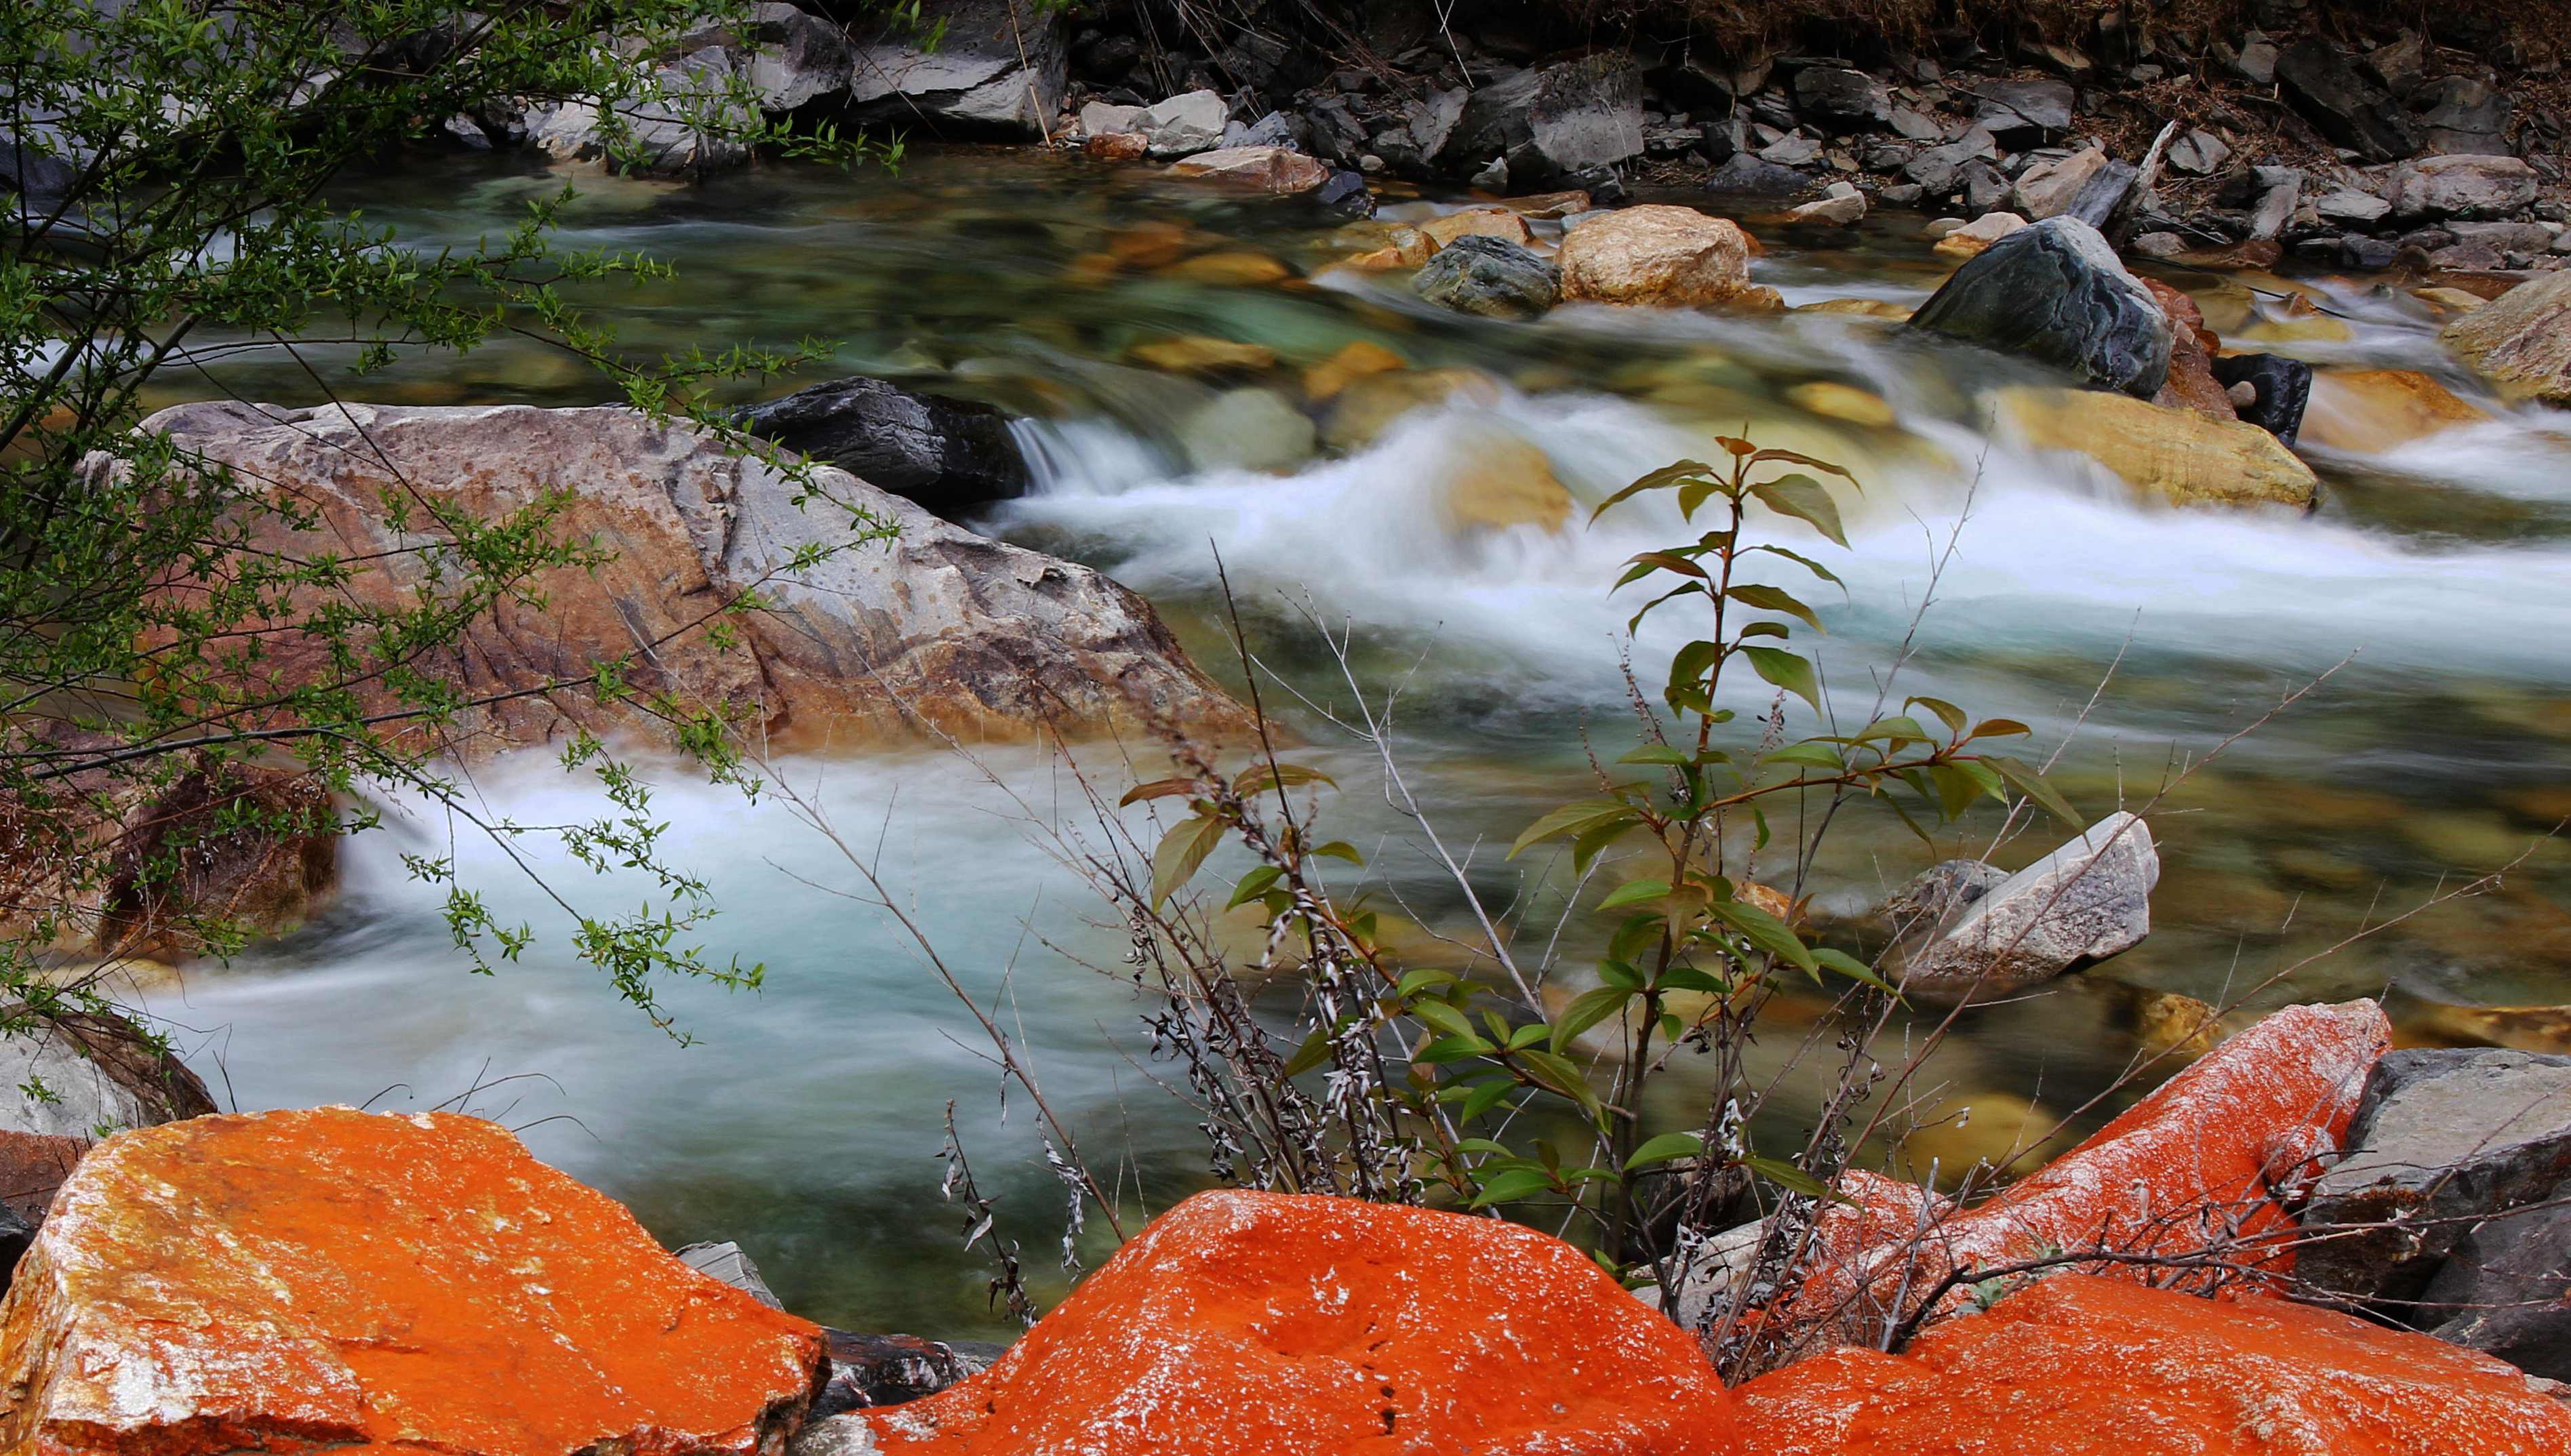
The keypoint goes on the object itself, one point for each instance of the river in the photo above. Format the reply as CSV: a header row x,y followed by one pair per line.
x,y
2432,591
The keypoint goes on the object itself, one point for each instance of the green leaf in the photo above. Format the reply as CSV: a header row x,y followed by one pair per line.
x,y
1669,754
1340,849
1806,498
1557,1074
1898,729
1569,818
1799,559
1635,893
1787,671
1956,790
1586,1011
1948,712
1765,931
1444,1017
1485,1096
1415,982
1769,599
1315,1050
1180,853
1667,1147
2028,781
1999,728
1454,1049
1670,561
1255,885
1268,776
1158,789
1509,1186
1790,457
1595,840
1794,1180
1666,475
1843,963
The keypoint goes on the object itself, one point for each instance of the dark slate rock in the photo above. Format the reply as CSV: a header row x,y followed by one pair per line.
x,y
2464,116
2103,194
1347,195
949,455
2344,106
868,1370
2055,291
1984,187
2024,111
1752,176
1842,95
2284,386
2506,1288
2440,1139
1552,120
2371,253
15,1235
1489,276
33,162
1940,169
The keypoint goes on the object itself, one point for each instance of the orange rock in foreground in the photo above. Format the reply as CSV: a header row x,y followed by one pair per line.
x,y
2086,1367
1264,1324
292,1280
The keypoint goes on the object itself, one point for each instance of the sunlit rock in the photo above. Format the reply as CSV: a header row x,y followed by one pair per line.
x,y
2190,384
1666,256
2522,341
2176,455
1357,359
2078,1363
1500,223
1970,240
1266,169
295,1280
1197,354
2368,411
1264,1324
935,631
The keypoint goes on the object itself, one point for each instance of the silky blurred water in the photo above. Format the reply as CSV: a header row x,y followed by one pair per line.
x,y
2433,588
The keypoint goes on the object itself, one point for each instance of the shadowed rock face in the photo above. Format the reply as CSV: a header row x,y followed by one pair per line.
x,y
2082,1364
1264,1324
939,630
2056,291
295,1280
997,69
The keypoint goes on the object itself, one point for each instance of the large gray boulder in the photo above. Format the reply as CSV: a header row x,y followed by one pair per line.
x,y
2506,1288
2441,1140
998,69
2086,902
691,128
1552,121
100,1074
1842,95
2461,187
2317,79
934,633
2521,340
1490,276
2056,291
950,455
1183,125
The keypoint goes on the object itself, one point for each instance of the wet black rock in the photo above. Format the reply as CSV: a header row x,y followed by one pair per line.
x,y
950,455
1489,276
1843,94
2024,112
2506,1288
2284,386
2370,253
1750,177
871,1371
2056,291
2464,116
2345,107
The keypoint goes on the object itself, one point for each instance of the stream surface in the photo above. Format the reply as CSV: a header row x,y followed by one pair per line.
x,y
2433,588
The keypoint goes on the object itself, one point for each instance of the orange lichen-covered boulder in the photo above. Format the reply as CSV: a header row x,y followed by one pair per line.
x,y
1268,1324
291,1282
2194,1186
2085,1366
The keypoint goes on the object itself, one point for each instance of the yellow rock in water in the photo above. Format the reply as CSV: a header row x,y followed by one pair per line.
x,y
1229,268
1504,481
1843,401
2449,300
1497,222
1368,405
2013,1136
1195,353
1857,308
2368,411
2183,457
1398,248
2178,1027
2307,328
1151,244
1360,359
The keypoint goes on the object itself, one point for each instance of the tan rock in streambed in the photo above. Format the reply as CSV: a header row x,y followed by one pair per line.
x,y
1499,223
2177,455
2368,411
1663,256
1268,169
1502,481
2522,341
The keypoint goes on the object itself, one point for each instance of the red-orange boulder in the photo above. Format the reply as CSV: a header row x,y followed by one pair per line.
x,y
296,1281
2194,1185
2085,1366
1267,1325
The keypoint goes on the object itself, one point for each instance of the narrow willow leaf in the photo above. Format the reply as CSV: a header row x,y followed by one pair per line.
x,y
1794,1180
1948,712
1666,475
1810,753
2031,783
1843,963
1999,728
1634,894
1765,931
1586,1011
1180,853
1159,788
1670,561
1509,1186
1569,818
1787,671
1667,1147
1790,457
1799,559
1268,776
1806,498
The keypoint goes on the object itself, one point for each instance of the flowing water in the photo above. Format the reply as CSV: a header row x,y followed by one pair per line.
x,y
2432,589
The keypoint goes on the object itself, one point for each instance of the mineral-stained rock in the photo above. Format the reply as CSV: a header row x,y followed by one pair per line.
x,y
1264,1324
2086,902
298,1280
2443,1139
1505,224
1266,169
1974,238
2085,1366
2176,455
2056,291
1489,276
2372,410
32,1166
939,626
2521,342
2190,384
1656,255
2087,184
997,68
